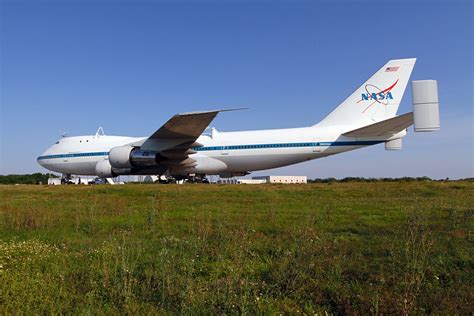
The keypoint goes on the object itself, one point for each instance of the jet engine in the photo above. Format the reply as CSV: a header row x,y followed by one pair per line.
x,y
103,169
143,161
127,157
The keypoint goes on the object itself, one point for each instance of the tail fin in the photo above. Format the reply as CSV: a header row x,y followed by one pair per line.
x,y
377,99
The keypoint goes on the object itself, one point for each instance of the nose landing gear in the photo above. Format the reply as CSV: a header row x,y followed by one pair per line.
x,y
66,178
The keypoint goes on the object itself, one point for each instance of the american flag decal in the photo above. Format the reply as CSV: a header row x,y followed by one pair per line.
x,y
391,69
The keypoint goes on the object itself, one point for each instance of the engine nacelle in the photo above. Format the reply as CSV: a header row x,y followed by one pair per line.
x,y
128,157
119,157
103,169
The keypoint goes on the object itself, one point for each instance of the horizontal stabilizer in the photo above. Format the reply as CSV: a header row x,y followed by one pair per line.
x,y
388,127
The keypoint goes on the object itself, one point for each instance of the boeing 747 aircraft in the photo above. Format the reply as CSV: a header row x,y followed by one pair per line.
x,y
179,147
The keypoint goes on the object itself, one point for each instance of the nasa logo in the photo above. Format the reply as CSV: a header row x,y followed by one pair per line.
x,y
377,96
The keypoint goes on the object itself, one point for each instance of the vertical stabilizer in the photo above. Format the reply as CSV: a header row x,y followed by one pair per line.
x,y
377,99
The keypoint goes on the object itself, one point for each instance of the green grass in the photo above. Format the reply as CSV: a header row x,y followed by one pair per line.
x,y
341,248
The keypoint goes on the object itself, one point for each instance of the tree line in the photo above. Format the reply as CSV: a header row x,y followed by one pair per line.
x,y
35,178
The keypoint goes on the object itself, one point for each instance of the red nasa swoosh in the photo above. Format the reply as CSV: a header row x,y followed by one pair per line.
x,y
383,91
391,87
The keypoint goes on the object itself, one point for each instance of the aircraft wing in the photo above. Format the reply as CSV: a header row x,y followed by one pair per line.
x,y
174,140
185,125
181,130
391,126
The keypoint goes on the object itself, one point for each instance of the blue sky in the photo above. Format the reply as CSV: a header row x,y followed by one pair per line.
x,y
130,65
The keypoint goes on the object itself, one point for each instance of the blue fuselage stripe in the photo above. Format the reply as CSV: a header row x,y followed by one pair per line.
x,y
93,154
289,145
236,147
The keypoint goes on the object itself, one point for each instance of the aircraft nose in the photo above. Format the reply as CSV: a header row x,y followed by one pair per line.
x,y
41,158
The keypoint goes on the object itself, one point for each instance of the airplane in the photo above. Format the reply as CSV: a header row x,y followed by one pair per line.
x,y
181,147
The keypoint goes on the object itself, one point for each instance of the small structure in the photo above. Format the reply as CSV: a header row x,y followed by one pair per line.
x,y
227,181
251,181
282,179
265,179
54,181
72,180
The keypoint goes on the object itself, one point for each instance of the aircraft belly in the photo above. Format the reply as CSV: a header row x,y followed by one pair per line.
x,y
76,166
253,162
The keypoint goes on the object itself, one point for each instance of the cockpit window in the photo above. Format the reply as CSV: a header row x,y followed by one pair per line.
x,y
57,142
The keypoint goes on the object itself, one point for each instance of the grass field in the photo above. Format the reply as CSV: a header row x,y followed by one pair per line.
x,y
341,248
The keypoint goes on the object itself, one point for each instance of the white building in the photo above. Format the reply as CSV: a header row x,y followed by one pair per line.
x,y
227,181
283,179
251,181
54,181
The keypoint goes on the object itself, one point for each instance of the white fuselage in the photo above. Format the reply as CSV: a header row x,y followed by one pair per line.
x,y
240,151
358,121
